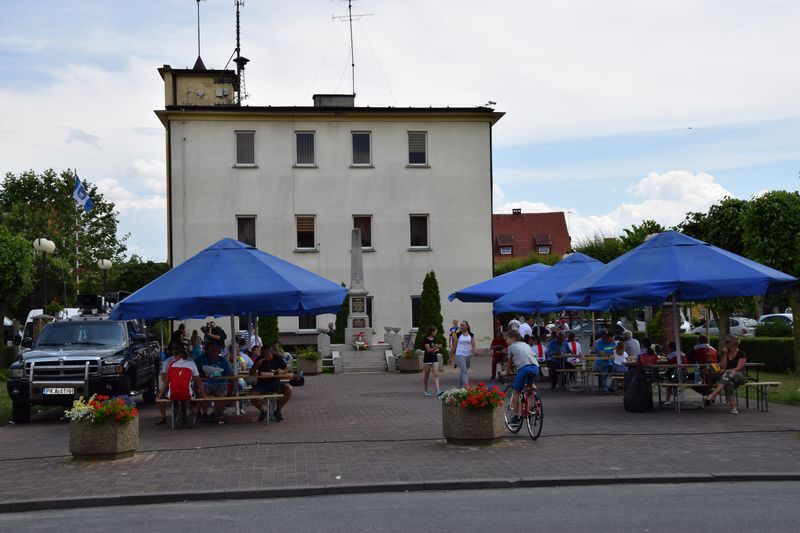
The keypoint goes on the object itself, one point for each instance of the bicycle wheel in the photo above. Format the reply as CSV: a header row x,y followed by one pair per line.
x,y
535,414
507,413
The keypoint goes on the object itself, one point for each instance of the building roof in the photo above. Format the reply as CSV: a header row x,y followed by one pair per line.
x,y
525,231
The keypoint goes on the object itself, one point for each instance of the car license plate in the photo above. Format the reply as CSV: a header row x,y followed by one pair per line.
x,y
59,390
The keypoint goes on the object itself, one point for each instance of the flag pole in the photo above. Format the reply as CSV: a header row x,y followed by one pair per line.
x,y
77,247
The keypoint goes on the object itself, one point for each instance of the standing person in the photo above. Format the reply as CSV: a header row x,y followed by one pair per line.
x,y
525,329
270,362
215,335
732,363
462,351
455,331
520,356
513,324
179,335
430,360
632,346
194,344
498,349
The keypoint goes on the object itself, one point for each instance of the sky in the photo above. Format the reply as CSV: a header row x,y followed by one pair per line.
x,y
616,111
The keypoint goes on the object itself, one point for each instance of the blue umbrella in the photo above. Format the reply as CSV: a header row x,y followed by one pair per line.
x,y
232,278
492,289
538,295
673,264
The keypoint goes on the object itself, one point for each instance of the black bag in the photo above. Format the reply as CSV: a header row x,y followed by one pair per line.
x,y
638,397
298,380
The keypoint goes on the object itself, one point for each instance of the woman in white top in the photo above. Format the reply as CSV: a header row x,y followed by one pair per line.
x,y
462,351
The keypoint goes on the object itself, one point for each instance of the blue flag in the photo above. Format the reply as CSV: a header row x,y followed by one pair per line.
x,y
81,195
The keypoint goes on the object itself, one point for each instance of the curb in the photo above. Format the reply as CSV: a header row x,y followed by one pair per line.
x,y
367,488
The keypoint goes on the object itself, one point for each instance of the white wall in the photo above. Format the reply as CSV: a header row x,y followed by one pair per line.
x,y
208,194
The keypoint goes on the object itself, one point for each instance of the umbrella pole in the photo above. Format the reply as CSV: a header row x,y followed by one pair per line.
x,y
676,328
235,352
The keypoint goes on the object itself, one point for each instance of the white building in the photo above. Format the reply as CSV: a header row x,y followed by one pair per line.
x,y
294,181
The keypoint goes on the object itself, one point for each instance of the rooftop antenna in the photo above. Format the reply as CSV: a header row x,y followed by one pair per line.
x,y
349,18
198,65
240,60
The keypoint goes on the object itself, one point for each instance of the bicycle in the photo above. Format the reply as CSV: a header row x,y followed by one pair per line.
x,y
532,411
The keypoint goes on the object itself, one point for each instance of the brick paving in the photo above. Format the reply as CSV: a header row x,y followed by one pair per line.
x,y
378,428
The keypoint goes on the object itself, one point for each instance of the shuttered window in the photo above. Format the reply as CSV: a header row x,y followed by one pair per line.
x,y
305,147
362,149
245,148
419,231
364,223
417,148
305,232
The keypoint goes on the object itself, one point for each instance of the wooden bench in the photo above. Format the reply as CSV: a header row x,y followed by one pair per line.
x,y
762,393
207,399
615,377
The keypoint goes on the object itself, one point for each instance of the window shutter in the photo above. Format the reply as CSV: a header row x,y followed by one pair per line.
x,y
305,223
305,148
416,148
245,148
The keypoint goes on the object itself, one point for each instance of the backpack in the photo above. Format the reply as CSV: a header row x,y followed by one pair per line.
x,y
180,380
638,397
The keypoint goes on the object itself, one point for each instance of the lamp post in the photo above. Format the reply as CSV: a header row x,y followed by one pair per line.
x,y
45,247
105,266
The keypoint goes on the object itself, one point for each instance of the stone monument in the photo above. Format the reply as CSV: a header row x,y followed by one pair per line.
x,y
357,318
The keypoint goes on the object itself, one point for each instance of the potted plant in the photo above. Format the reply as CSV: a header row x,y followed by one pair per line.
x,y
409,361
309,361
103,427
472,415
359,342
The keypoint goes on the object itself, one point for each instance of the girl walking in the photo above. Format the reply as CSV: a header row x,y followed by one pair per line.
x,y
430,360
462,351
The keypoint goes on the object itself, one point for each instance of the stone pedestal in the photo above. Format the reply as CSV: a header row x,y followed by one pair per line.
x,y
103,441
324,345
472,426
394,340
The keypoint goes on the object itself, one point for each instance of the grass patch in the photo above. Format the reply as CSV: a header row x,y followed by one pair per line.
x,y
788,393
5,403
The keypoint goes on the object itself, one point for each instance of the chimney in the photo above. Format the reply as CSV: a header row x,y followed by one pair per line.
x,y
334,100
516,211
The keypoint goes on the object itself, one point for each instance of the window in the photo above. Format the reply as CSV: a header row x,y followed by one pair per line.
x,y
543,250
505,250
362,148
416,303
364,223
246,148
419,231
307,322
246,229
304,146
305,232
417,148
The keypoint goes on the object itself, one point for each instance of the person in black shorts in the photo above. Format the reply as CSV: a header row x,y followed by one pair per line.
x,y
430,361
269,362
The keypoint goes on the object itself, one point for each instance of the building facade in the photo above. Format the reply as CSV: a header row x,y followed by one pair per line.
x,y
294,181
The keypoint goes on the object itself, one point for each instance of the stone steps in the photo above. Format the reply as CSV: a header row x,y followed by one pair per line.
x,y
371,360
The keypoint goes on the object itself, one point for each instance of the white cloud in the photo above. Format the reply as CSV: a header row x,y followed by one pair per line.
x,y
80,136
665,198
126,200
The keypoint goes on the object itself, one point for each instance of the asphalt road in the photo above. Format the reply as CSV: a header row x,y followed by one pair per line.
x,y
707,507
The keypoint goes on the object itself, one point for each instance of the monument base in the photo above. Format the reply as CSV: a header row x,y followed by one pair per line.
x,y
349,333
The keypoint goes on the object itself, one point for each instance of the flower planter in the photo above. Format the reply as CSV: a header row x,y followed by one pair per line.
x,y
309,367
472,426
409,365
108,440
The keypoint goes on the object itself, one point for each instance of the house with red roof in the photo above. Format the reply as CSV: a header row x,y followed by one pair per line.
x,y
518,234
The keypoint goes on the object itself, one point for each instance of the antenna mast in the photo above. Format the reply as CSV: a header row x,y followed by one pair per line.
x,y
198,28
240,60
349,19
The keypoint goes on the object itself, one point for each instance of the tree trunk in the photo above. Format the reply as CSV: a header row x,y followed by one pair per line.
x,y
794,301
724,324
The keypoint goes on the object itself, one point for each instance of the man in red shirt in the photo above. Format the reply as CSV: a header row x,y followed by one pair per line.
x,y
498,349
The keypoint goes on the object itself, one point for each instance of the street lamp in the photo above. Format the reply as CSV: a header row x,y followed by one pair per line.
x,y
105,266
45,247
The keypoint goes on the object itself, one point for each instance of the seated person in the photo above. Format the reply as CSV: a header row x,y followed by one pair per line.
x,y
733,375
647,356
170,353
521,357
181,371
705,355
270,362
617,365
672,356
557,350
604,347
498,349
574,348
538,348
211,365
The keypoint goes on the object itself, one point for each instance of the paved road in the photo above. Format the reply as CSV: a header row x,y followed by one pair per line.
x,y
707,507
378,428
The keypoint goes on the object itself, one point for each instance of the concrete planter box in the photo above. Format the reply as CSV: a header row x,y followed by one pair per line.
x,y
409,365
472,426
103,441
309,367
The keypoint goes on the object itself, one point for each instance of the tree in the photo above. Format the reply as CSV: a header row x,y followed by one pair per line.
x,y
601,247
135,273
771,225
16,271
268,329
636,235
510,265
430,313
41,205
341,321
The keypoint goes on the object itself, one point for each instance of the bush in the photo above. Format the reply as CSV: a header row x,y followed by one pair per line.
x,y
777,354
774,329
309,353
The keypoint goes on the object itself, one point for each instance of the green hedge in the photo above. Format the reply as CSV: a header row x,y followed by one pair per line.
x,y
776,353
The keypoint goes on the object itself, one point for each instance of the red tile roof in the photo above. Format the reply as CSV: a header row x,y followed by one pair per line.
x,y
527,230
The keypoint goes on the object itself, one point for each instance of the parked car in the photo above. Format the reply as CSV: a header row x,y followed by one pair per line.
x,y
780,318
740,326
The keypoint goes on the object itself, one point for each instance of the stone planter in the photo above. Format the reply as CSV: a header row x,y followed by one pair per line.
x,y
103,441
472,426
309,367
409,364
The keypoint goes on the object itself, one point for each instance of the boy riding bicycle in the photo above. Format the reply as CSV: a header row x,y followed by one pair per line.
x,y
520,355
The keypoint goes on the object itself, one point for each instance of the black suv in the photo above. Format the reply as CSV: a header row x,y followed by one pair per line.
x,y
82,356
